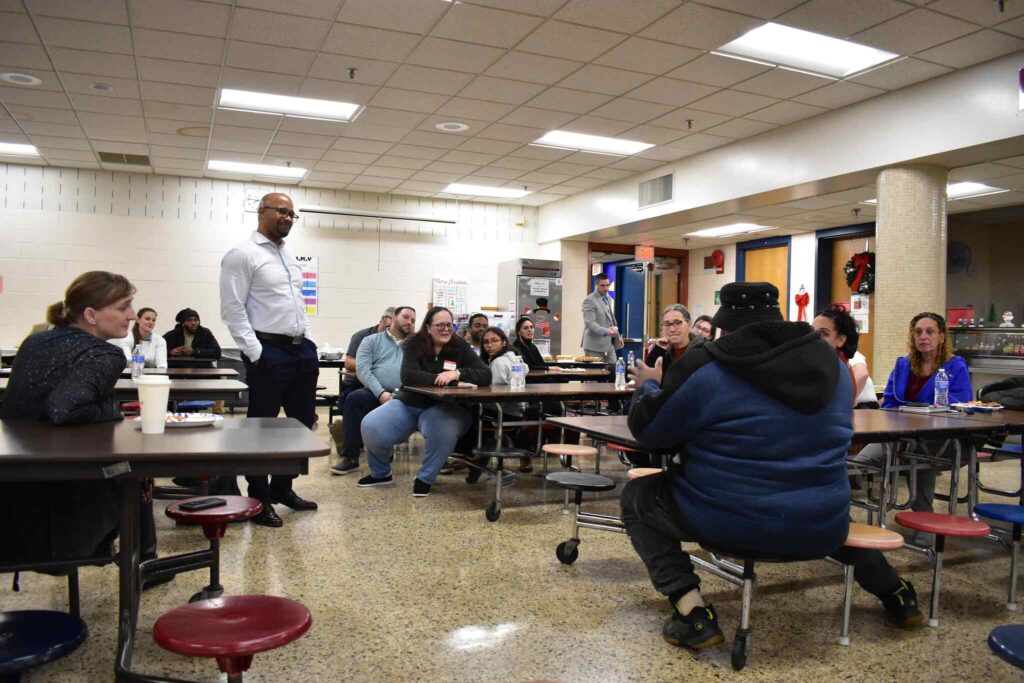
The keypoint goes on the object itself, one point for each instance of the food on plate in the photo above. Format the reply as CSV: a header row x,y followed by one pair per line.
x,y
589,359
981,404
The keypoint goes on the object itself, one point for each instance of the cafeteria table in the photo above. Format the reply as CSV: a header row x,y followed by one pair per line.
x,y
181,389
173,373
189,362
32,450
569,375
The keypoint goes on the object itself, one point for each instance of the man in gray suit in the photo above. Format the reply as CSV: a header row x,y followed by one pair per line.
x,y
600,335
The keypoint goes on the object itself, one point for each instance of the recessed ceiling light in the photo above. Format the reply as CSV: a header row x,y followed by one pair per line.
x,y
964,190
20,79
485,191
563,139
303,107
18,150
194,131
262,170
101,87
451,126
801,50
727,230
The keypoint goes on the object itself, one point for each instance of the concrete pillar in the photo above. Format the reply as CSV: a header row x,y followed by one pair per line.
x,y
910,258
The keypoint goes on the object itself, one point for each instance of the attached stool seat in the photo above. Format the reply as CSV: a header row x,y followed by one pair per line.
x,y
643,459
215,521
869,538
941,525
194,406
578,482
1008,643
31,638
566,451
638,472
232,629
1014,514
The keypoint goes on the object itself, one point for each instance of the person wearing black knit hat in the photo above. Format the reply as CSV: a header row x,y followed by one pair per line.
x,y
189,339
762,419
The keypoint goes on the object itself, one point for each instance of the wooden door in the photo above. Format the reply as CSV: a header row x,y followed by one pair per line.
x,y
843,251
770,265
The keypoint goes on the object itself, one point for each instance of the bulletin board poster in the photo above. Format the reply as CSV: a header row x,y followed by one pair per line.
x,y
451,293
310,266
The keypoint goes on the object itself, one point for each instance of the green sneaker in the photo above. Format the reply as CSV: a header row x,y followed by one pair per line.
x,y
901,606
697,630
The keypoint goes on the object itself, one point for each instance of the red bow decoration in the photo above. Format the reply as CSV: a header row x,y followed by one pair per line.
x,y
860,262
801,301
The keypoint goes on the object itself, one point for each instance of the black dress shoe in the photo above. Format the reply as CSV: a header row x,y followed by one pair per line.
x,y
267,517
292,500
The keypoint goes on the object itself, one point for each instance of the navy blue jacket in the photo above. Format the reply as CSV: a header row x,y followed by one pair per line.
x,y
764,421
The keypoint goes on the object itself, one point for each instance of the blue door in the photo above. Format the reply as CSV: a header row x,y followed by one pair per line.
x,y
629,306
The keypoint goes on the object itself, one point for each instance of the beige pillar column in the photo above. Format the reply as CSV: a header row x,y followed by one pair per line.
x,y
910,257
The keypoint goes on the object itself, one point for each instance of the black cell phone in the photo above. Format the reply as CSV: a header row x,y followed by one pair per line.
x,y
202,504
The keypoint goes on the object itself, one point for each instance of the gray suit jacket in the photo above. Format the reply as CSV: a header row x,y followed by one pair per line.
x,y
596,322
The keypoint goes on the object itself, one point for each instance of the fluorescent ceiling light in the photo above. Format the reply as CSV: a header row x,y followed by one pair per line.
x,y
264,170
266,103
962,190
804,51
485,191
591,143
16,150
727,230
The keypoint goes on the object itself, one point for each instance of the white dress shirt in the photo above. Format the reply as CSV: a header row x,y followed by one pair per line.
x,y
261,289
155,349
867,394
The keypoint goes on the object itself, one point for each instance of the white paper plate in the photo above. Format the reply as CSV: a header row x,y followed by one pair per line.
x,y
177,420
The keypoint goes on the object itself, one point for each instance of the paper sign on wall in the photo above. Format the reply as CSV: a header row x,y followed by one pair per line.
x,y
452,294
310,266
539,287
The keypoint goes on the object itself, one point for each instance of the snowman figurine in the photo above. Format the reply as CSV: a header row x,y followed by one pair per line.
x,y
1007,319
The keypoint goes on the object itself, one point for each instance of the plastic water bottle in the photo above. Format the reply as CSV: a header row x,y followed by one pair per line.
x,y
620,374
941,389
518,379
138,361
631,362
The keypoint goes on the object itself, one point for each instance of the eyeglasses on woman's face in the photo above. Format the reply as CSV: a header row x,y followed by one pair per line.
x,y
441,327
703,328
672,324
491,341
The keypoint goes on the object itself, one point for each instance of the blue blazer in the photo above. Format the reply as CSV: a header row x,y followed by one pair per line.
x,y
960,390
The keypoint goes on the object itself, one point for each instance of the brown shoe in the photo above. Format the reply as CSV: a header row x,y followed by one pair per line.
x,y
526,465
268,517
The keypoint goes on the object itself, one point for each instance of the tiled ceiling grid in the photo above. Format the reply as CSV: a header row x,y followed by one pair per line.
x,y
511,69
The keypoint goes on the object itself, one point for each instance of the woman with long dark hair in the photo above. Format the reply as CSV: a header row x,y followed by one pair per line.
x,y
839,329
154,347
524,346
434,356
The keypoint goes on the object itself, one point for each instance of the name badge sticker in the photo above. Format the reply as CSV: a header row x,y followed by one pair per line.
x,y
449,365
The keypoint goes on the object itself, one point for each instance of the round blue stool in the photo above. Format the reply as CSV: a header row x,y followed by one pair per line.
x,y
1013,514
194,406
31,638
1008,643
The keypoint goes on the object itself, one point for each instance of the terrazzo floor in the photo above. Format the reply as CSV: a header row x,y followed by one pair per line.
x,y
405,589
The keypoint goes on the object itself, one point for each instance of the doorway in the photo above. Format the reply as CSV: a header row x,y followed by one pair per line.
x,y
766,261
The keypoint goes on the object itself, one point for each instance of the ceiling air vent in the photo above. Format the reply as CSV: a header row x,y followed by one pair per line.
x,y
656,191
128,159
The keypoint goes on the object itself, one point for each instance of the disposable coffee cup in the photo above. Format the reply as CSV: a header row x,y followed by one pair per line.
x,y
154,390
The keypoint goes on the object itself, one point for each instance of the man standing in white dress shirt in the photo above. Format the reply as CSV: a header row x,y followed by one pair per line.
x,y
262,305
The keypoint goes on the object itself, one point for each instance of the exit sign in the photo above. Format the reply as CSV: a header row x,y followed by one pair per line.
x,y
644,253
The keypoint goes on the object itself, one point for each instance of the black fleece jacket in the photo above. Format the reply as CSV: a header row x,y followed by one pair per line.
x,y
421,369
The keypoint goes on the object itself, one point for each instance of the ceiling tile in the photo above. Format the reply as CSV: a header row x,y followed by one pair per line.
x,y
371,43
569,41
365,146
541,177
176,152
183,16
106,105
416,185
739,128
712,69
49,78
501,90
499,173
170,126
390,117
449,167
412,16
429,80
416,152
474,109
444,177
340,167
348,157
25,56
177,164
637,165
627,16
321,9
274,28
92,121
186,94
52,154
94,64
484,25
655,135
561,99
979,172
520,164
648,56
425,139
303,139
54,129
565,168
260,81
590,159
185,73
341,178
765,9
377,133
733,103
979,11
268,58
17,28
782,83
84,35
475,158
901,73
34,98
372,183
297,124
914,31
179,141
177,110
610,173
701,142
1013,27
523,66
625,109
106,11
335,67
429,124
538,118
594,125
42,114
126,149
602,79
839,94
178,46
841,18
345,91
450,54
973,49
689,120
785,112
254,135
672,92
549,154
389,172
58,142
407,100
666,153
699,26
402,162
509,133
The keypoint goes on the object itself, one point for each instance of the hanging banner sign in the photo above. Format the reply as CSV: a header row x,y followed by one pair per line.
x,y
310,266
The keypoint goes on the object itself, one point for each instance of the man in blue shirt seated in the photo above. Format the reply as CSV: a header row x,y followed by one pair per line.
x,y
378,366
761,419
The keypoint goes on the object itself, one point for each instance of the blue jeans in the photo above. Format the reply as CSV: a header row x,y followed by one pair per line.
x,y
441,426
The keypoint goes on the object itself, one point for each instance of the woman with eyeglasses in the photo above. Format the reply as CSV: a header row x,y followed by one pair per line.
x,y
499,357
434,356
675,337
839,329
704,326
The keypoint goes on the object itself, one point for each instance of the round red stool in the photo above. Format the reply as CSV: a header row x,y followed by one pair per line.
x,y
214,522
941,525
232,629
